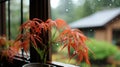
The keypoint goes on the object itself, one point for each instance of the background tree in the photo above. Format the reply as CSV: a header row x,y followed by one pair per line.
x,y
104,4
70,11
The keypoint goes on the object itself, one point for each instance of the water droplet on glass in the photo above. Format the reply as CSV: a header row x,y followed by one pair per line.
x,y
66,10
91,30
34,35
110,4
57,44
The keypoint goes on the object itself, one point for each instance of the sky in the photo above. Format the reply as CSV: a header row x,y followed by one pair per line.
x,y
54,3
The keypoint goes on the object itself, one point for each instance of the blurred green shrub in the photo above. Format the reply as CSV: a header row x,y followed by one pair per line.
x,y
101,49
116,56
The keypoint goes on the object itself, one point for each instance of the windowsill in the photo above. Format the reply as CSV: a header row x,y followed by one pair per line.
x,y
63,64
20,58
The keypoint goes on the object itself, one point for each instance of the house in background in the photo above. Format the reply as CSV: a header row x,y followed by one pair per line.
x,y
103,25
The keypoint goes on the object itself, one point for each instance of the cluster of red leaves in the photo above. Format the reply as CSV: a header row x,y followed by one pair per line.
x,y
73,38
11,51
6,47
70,38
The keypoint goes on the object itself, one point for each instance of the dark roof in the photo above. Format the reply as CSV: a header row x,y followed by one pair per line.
x,y
97,19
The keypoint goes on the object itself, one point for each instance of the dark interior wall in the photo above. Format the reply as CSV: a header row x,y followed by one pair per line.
x,y
2,17
40,9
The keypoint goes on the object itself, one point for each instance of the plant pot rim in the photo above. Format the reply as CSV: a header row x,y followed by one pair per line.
x,y
37,63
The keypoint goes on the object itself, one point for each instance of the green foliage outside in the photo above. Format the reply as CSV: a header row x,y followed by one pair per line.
x,y
101,49
116,56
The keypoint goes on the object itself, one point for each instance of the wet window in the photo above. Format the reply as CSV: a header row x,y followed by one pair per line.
x,y
15,16
98,20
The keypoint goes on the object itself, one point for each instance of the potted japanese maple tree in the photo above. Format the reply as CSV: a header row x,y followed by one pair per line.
x,y
58,32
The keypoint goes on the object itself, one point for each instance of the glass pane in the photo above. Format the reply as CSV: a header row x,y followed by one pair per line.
x,y
98,20
15,15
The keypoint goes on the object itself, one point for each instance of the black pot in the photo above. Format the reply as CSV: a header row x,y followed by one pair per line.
x,y
37,65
